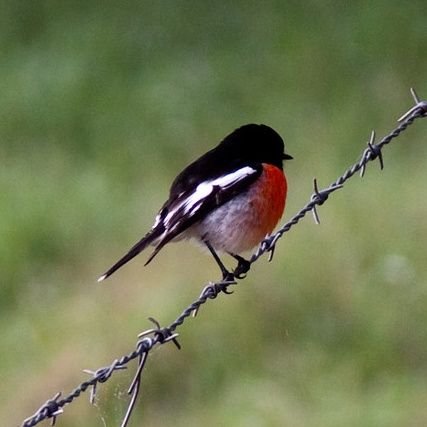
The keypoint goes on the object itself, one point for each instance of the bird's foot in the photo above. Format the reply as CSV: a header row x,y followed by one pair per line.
x,y
227,278
243,266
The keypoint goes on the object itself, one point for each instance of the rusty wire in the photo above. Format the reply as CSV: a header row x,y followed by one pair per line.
x,y
52,408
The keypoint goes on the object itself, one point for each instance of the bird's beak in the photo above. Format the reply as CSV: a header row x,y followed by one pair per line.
x,y
287,156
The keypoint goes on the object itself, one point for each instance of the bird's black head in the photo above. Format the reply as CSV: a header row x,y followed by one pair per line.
x,y
256,143
249,144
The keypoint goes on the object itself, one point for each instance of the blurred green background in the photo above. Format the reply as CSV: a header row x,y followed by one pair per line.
x,y
102,103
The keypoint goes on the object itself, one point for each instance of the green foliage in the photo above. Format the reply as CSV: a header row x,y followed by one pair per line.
x,y
103,103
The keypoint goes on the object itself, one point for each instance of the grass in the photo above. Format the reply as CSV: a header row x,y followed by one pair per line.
x,y
102,106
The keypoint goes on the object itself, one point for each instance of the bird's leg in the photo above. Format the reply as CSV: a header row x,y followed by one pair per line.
x,y
226,275
243,266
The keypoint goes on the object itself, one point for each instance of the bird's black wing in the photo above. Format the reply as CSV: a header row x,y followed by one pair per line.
x,y
189,207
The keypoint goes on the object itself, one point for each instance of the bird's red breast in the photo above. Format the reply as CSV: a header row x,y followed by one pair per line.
x,y
272,196
267,200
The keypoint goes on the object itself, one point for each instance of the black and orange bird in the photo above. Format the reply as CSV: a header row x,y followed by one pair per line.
x,y
229,199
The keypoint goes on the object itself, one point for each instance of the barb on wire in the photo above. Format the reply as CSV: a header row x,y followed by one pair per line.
x,y
158,335
50,409
134,387
319,197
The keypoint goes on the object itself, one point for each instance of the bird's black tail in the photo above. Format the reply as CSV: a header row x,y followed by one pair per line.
x,y
151,236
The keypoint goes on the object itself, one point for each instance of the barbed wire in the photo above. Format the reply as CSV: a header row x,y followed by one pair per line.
x,y
147,340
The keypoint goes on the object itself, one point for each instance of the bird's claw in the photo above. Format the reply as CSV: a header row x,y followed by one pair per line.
x,y
242,268
227,277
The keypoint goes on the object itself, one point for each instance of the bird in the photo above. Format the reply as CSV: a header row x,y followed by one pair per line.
x,y
229,199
